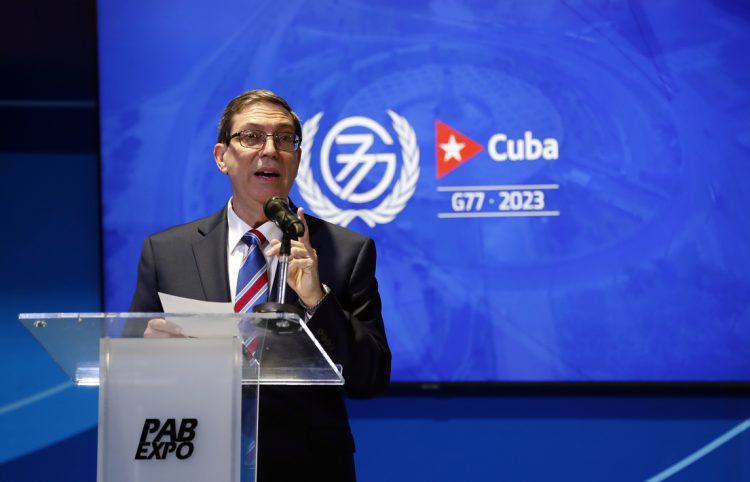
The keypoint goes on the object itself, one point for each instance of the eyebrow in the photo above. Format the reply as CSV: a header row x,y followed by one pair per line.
x,y
251,126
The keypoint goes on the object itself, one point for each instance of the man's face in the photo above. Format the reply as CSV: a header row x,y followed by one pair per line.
x,y
258,173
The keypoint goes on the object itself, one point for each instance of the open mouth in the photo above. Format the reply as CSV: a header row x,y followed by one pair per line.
x,y
267,174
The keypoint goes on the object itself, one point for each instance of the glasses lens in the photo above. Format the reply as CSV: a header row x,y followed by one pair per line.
x,y
252,138
285,141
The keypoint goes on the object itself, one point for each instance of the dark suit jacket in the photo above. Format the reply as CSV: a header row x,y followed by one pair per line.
x,y
190,260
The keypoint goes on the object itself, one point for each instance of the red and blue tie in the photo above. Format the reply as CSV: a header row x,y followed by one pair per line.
x,y
252,280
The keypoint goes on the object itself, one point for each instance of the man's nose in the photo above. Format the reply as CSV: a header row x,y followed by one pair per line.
x,y
269,148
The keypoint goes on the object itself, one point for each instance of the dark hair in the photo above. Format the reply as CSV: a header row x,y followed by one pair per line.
x,y
250,97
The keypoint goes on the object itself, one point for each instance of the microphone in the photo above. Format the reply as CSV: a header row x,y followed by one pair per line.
x,y
277,210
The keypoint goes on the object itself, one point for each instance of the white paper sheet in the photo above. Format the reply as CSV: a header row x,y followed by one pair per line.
x,y
198,326
178,304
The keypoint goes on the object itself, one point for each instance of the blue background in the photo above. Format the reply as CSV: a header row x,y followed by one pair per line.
x,y
50,262
642,277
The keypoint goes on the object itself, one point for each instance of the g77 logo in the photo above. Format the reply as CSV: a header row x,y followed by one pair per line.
x,y
356,167
360,157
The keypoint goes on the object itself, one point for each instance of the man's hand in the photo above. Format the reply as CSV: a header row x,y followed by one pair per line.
x,y
161,328
302,276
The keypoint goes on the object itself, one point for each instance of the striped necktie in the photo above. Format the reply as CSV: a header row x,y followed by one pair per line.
x,y
252,280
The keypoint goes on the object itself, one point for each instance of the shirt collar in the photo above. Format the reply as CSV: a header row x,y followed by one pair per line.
x,y
238,228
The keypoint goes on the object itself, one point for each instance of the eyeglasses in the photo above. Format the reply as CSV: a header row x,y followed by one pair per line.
x,y
284,141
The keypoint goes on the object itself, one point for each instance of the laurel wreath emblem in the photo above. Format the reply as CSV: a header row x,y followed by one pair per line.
x,y
389,207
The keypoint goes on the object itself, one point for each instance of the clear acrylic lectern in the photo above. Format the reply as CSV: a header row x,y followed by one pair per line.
x,y
181,403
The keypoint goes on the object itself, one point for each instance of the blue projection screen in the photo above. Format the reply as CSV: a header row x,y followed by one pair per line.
x,y
556,188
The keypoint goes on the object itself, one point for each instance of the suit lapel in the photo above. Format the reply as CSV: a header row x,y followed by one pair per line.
x,y
210,251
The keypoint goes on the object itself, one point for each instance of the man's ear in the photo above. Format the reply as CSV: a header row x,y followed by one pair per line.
x,y
219,150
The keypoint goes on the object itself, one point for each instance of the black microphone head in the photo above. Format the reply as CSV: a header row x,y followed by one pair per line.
x,y
277,209
274,206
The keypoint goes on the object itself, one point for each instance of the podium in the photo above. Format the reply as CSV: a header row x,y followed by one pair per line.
x,y
182,407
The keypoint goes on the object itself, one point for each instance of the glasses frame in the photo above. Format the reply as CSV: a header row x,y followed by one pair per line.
x,y
275,135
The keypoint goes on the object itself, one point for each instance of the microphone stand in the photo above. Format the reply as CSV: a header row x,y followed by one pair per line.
x,y
277,297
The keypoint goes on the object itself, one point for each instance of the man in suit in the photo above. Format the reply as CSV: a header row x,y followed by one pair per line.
x,y
304,431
